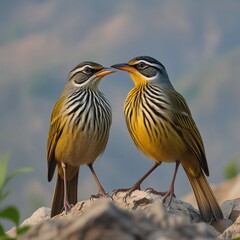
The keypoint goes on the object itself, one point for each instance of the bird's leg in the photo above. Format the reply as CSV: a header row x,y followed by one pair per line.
x,y
66,204
137,185
101,191
170,191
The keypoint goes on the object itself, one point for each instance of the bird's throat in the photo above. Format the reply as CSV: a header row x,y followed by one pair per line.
x,y
137,78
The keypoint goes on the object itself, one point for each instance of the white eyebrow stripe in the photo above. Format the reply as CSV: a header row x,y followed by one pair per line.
x,y
151,64
80,69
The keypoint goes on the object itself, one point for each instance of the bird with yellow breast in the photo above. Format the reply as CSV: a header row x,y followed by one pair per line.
x,y
78,134
161,126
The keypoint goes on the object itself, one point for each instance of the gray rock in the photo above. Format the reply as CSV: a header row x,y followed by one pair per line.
x,y
104,220
42,214
231,209
233,232
141,216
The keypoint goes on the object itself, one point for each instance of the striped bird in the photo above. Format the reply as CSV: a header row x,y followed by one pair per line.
x,y
161,126
78,133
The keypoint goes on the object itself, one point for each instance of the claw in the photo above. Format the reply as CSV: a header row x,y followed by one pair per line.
x,y
163,194
151,190
116,191
171,194
137,185
128,190
100,195
67,207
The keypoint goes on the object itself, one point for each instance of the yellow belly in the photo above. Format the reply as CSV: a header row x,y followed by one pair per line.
x,y
162,145
80,147
159,133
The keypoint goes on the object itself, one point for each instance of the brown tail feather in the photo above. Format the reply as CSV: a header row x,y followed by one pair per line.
x,y
58,197
207,203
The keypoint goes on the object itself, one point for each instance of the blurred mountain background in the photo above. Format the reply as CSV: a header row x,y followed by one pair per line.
x,y
41,41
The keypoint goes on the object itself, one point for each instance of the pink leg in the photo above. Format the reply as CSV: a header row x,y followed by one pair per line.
x,y
137,185
101,191
170,191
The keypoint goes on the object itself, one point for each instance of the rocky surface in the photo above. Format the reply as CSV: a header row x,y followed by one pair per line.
x,y
141,216
233,232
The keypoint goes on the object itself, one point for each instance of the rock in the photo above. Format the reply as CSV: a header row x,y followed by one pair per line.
x,y
222,224
231,209
233,232
104,220
142,201
38,216
143,215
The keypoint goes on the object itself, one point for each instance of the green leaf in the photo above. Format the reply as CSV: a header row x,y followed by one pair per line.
x,y
6,237
3,170
231,169
2,231
22,230
10,213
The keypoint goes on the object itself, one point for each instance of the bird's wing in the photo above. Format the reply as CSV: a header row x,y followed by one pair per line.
x,y
186,127
53,136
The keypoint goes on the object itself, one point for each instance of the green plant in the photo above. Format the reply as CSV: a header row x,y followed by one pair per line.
x,y
9,213
231,169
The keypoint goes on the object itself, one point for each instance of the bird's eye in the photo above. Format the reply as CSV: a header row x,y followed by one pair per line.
x,y
141,65
88,70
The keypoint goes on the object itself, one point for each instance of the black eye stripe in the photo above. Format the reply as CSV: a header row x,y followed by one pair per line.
x,y
145,69
142,65
88,70
84,71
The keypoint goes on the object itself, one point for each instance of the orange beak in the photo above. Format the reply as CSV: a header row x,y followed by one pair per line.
x,y
124,67
105,71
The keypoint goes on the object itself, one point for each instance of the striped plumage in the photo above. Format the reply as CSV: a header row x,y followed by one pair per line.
x,y
78,133
154,116
160,124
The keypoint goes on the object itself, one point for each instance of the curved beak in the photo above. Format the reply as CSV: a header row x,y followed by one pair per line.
x,y
124,66
105,71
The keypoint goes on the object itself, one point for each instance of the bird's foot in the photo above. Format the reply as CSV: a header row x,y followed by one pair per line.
x,y
166,194
67,207
170,193
101,194
128,191
151,190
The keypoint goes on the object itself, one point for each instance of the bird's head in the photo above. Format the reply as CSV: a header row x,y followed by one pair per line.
x,y
87,75
146,69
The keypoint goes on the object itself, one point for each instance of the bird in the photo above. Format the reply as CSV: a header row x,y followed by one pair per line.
x,y
162,127
78,133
